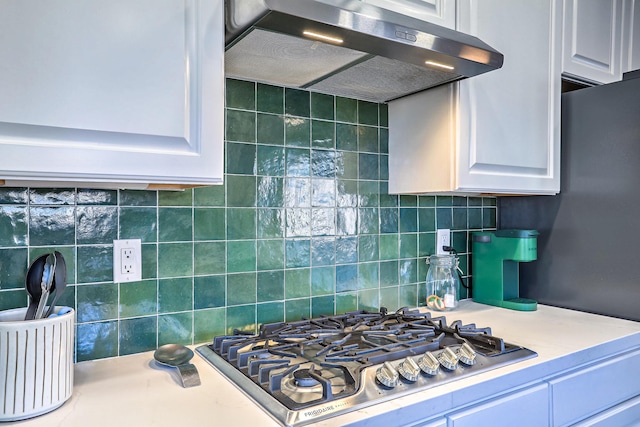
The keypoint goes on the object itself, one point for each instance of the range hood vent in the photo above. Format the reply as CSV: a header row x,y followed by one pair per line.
x,y
347,48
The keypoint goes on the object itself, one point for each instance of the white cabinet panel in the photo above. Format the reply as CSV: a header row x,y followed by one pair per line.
x,y
494,133
528,408
440,12
111,92
593,39
631,54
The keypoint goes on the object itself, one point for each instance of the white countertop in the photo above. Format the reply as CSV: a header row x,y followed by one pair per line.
x,y
135,391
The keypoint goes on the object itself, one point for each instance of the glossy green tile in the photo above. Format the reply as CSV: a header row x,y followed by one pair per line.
x,y
52,196
323,280
346,221
427,219
271,223
389,273
475,218
270,192
444,218
13,267
209,291
270,129
175,260
138,298
368,139
208,324
240,126
96,224
459,241
323,164
297,309
323,134
138,198
96,340
389,298
368,166
368,248
240,94
383,110
297,283
409,296
346,302
175,224
97,302
407,201
87,196
323,192
270,160
297,102
175,294
408,271
368,193
323,251
408,245
149,261
298,162
389,246
346,110
297,132
175,198
488,218
241,288
323,222
14,196
209,257
426,244
13,298
137,335
209,224
270,312
241,256
346,277
95,264
346,137
47,225
346,193
323,306
389,220
175,328
243,225
459,219
368,113
346,165
489,201
408,220
241,191
139,223
270,285
297,192
369,299
13,226
346,250
384,167
298,253
213,195
368,275
242,318
387,200
241,158
427,201
270,98
322,106
368,221
298,222
270,254
474,201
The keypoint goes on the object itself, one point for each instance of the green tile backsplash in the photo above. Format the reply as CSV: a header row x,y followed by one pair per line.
x,y
303,226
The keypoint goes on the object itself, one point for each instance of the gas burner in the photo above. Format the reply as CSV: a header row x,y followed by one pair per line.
x,y
314,368
302,378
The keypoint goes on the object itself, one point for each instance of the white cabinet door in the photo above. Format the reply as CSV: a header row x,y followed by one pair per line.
x,y
112,92
494,133
592,40
631,37
440,12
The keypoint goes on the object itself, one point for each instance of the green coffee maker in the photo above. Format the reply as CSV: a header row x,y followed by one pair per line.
x,y
496,256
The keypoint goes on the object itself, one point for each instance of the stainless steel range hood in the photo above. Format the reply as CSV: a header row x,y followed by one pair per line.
x,y
347,48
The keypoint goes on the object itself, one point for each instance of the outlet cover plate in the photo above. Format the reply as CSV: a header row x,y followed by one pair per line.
x,y
127,260
443,238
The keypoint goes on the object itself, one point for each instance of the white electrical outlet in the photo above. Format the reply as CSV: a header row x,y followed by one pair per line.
x,y
127,260
443,238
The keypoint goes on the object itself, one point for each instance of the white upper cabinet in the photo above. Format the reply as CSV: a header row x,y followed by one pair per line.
x,y
631,53
494,133
592,40
114,93
439,12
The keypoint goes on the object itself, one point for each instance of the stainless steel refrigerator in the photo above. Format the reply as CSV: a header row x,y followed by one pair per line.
x,y
589,243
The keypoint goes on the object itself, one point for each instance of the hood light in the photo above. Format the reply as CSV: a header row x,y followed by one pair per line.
x,y
322,37
437,64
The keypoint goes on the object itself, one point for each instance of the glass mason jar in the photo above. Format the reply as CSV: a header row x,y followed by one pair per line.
x,y
443,282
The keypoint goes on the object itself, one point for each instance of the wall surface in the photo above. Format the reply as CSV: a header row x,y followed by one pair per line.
x,y
303,226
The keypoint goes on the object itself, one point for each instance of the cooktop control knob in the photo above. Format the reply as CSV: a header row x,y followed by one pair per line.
x,y
448,359
409,370
387,375
429,364
466,354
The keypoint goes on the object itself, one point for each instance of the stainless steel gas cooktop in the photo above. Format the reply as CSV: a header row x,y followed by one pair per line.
x,y
313,369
